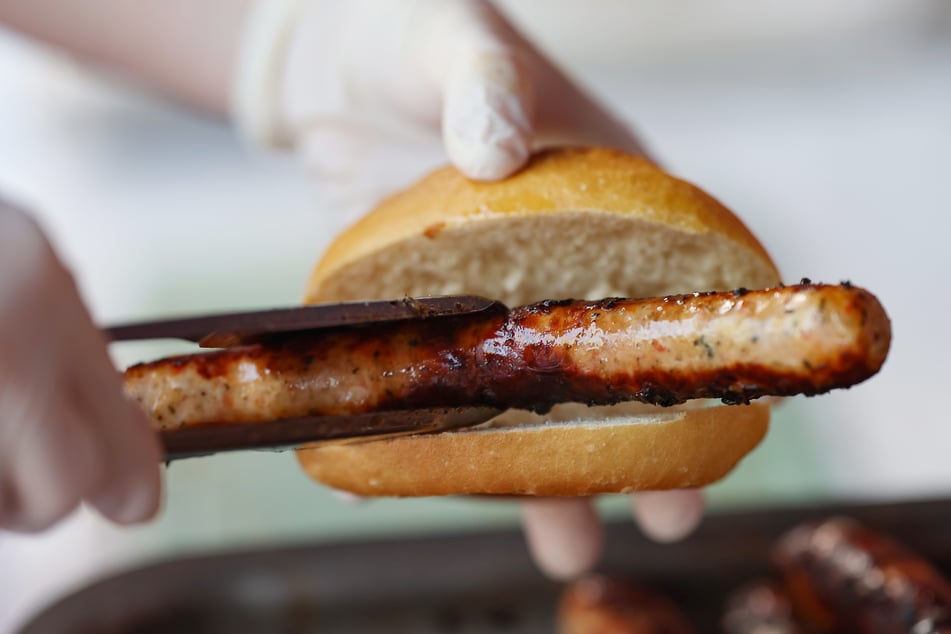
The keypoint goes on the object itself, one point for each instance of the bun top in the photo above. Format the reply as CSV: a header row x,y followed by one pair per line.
x,y
583,223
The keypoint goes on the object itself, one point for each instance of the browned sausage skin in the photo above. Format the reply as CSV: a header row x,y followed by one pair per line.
x,y
736,346
842,576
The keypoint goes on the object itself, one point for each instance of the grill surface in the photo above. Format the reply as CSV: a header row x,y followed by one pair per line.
x,y
453,584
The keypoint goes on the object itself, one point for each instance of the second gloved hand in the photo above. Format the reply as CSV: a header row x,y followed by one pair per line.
x,y
362,82
67,434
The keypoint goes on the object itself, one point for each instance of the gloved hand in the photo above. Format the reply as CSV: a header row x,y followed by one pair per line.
x,y
361,80
67,433
456,66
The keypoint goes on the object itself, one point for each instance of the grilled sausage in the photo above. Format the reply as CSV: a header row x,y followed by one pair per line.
x,y
845,577
598,604
736,346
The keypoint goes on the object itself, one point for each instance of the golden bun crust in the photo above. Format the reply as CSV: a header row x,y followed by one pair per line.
x,y
667,450
583,223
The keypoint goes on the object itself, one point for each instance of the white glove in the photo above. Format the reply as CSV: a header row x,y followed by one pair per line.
x,y
337,79
67,433
359,82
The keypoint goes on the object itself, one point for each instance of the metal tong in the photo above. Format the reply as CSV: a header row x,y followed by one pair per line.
x,y
247,328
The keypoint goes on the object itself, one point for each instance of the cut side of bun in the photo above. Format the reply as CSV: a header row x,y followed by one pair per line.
x,y
575,223
580,223
519,259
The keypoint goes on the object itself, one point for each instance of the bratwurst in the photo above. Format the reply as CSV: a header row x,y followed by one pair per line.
x,y
735,346
845,577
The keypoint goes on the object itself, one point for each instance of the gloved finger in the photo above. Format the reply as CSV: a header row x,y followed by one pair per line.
x,y
488,103
56,462
668,516
468,60
347,497
564,535
131,489
130,492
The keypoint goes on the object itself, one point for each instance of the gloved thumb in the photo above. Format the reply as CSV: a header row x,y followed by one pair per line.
x,y
488,103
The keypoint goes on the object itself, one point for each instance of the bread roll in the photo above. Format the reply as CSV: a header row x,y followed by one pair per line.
x,y
583,223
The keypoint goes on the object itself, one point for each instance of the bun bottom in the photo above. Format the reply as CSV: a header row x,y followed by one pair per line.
x,y
661,450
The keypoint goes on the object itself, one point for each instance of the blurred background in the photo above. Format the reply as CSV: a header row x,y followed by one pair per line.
x,y
825,126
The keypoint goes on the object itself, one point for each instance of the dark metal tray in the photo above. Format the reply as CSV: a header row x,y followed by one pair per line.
x,y
454,584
